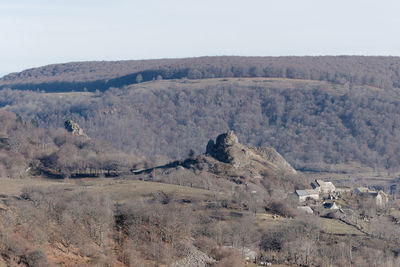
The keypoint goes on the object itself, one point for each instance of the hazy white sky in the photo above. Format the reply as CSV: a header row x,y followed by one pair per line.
x,y
40,32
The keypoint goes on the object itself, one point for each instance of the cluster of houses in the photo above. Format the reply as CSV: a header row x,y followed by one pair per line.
x,y
319,187
330,192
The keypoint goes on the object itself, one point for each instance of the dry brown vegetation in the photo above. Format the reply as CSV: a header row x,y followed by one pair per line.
x,y
322,114
26,149
127,221
315,125
87,222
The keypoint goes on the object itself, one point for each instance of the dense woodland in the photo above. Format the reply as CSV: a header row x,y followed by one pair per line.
x,y
312,124
382,72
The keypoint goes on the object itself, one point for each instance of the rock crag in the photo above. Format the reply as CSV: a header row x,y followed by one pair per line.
x,y
74,128
227,149
229,159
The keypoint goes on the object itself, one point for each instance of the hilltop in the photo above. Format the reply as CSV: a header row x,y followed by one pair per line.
x,y
382,72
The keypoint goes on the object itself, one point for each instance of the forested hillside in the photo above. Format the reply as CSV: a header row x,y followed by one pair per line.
x,y
312,124
26,149
382,72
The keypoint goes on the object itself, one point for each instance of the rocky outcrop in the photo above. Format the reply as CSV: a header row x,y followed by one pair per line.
x,y
227,149
228,158
74,128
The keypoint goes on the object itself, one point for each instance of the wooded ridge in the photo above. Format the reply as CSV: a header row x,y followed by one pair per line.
x,y
378,71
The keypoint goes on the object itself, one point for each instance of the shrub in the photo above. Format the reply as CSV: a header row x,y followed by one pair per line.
x,y
280,208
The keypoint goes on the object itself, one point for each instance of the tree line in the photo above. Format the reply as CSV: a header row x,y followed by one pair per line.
x,y
382,72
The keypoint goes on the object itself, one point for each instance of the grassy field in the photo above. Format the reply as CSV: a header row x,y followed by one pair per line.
x,y
12,187
130,189
329,226
201,83
117,189
268,221
333,226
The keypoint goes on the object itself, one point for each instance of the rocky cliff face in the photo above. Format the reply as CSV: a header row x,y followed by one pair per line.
x,y
74,128
227,149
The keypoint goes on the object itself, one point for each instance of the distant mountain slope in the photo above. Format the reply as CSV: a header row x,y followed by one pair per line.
x,y
312,124
382,72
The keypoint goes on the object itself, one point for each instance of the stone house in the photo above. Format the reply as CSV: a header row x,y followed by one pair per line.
x,y
323,187
381,198
307,194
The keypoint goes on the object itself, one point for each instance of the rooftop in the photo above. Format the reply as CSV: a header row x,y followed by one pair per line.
x,y
301,193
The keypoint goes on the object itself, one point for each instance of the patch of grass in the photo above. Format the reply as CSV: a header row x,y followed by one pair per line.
x,y
117,189
120,190
12,187
268,221
333,226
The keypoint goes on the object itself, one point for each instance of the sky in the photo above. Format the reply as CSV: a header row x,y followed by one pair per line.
x,y
41,32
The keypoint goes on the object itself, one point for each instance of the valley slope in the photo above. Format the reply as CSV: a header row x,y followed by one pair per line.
x,y
315,125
